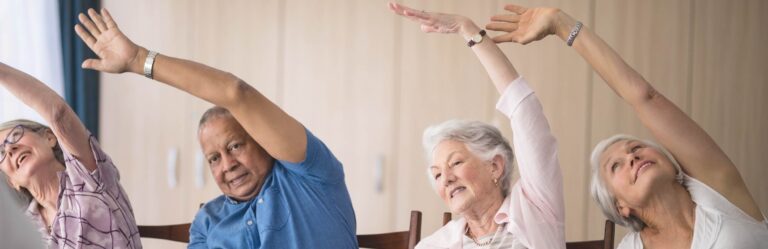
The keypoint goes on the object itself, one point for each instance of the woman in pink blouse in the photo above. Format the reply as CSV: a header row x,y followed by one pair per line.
x,y
70,186
471,163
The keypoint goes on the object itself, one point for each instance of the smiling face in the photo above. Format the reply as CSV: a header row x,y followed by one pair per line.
x,y
633,171
238,164
463,180
32,153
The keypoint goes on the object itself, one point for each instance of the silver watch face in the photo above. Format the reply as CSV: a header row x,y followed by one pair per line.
x,y
477,38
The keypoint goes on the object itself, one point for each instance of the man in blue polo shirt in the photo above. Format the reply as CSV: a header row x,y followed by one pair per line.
x,y
282,187
301,204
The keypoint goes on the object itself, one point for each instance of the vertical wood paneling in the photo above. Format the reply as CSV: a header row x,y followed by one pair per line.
x,y
339,82
730,84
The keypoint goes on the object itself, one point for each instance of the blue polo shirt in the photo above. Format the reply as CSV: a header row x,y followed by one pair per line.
x,y
300,205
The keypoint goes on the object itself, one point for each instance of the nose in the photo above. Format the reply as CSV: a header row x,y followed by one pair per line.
x,y
633,159
448,177
230,162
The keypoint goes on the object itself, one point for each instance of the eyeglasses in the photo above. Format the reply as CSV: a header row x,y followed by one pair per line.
x,y
13,137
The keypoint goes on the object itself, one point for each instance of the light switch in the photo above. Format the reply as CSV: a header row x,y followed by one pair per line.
x,y
172,162
199,170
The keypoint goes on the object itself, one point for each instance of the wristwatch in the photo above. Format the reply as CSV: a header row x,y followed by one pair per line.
x,y
477,38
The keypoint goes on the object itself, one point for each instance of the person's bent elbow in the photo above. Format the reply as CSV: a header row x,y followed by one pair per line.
x,y
235,92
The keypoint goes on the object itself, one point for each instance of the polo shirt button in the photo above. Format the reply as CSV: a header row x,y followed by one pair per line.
x,y
249,222
261,200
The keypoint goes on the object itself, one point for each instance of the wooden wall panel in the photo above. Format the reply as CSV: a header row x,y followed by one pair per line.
x,y
339,82
730,84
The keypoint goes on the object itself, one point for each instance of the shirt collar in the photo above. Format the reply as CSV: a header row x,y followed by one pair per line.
x,y
502,215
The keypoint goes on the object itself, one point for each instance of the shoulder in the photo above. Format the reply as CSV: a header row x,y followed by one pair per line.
x,y
631,241
445,237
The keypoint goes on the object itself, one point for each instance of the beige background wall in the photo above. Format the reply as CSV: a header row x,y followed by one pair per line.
x,y
368,82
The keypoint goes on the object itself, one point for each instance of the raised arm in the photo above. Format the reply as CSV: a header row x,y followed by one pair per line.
x,y
278,133
535,146
70,132
499,69
698,155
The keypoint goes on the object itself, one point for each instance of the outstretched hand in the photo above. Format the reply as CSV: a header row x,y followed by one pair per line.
x,y
431,22
524,25
117,53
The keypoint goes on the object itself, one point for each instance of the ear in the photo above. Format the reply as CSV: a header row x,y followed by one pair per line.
x,y
498,166
623,209
50,138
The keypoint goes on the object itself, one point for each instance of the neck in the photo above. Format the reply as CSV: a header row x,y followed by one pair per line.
x,y
44,187
480,217
668,212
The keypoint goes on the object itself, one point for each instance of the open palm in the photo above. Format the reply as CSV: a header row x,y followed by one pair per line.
x,y
116,52
524,25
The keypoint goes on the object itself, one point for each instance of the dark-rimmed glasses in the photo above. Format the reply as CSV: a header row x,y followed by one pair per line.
x,y
13,137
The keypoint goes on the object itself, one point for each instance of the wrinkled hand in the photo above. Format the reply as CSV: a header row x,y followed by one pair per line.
x,y
116,52
430,21
524,25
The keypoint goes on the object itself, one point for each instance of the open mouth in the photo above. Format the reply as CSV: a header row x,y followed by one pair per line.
x,y
642,166
21,158
457,190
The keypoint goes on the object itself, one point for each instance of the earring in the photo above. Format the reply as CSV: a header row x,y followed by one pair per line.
x,y
496,181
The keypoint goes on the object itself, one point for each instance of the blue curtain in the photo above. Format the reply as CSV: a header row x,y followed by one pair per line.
x,y
81,87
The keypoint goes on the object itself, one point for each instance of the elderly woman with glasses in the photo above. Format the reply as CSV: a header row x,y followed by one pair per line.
x,y
70,187
471,162
684,193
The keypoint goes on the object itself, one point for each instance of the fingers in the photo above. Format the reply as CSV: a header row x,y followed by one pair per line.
x,y
108,19
96,18
500,26
94,64
515,8
506,18
408,12
88,24
85,36
429,29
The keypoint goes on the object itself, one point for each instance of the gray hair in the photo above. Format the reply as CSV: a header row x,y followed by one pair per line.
x,y
211,113
604,197
23,195
483,140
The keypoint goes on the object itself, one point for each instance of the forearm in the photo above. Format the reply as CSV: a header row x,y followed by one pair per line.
x,y
66,126
277,132
499,68
627,83
33,93
215,86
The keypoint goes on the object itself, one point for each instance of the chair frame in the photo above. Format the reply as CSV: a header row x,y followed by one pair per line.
x,y
395,240
177,232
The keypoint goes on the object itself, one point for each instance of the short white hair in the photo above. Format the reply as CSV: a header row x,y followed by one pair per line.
x,y
483,140
604,197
